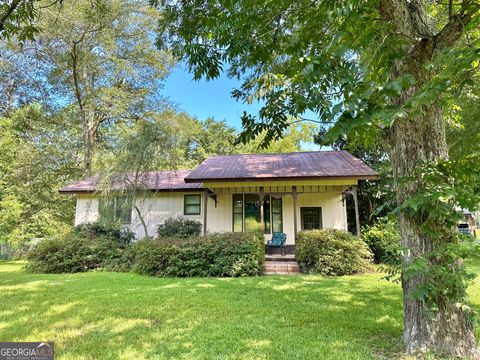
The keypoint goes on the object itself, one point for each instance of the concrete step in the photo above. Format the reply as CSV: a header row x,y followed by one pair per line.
x,y
276,267
288,257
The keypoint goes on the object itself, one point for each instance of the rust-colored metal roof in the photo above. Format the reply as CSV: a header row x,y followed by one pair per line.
x,y
304,165
154,181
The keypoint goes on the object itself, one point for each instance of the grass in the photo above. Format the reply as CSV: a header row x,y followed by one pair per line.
x,y
101,315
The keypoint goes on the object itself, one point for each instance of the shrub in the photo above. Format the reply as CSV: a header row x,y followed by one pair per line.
x,y
179,227
83,250
223,254
123,236
332,252
383,239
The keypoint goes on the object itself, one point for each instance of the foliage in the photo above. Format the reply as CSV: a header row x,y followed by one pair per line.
x,y
180,227
95,60
293,138
392,80
90,247
383,239
376,198
443,273
332,252
17,18
222,254
36,159
224,316
74,253
463,130
448,187
123,236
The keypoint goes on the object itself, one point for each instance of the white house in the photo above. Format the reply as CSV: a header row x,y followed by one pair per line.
x,y
268,192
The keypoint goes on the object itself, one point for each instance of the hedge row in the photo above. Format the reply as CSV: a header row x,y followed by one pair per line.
x,y
332,252
223,254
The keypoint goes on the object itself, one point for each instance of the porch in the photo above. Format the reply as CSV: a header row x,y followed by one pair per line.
x,y
278,206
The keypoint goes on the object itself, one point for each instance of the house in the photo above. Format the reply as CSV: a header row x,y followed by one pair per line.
x,y
268,192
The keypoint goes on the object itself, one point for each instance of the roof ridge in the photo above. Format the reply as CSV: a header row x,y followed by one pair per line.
x,y
279,153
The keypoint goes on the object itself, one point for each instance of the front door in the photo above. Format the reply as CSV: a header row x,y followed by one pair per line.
x,y
311,218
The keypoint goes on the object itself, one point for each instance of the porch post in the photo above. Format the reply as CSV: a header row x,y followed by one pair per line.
x,y
262,211
294,196
205,202
357,215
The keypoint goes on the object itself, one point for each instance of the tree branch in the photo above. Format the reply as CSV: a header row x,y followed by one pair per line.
x,y
408,17
8,12
453,30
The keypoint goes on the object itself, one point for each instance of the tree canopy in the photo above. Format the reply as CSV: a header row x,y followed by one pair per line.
x,y
383,69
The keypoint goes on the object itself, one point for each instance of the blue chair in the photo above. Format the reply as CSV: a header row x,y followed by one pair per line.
x,y
278,241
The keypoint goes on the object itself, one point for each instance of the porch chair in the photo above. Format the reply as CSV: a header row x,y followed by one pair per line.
x,y
278,241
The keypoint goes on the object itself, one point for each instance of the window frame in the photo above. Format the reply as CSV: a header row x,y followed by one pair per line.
x,y
242,196
320,217
114,212
185,204
270,211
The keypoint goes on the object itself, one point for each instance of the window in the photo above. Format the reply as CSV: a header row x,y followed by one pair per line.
x,y
266,213
116,210
311,218
246,213
191,205
277,219
252,212
237,212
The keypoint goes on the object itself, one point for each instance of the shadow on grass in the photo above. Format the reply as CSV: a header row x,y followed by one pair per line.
x,y
108,315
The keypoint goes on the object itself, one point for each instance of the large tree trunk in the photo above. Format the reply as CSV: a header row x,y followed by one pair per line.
x,y
449,331
412,141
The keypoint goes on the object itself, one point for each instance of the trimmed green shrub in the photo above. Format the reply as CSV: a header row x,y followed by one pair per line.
x,y
332,252
383,239
222,254
123,236
79,252
179,227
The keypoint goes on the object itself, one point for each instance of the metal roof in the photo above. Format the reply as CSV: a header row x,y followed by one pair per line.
x,y
154,181
287,166
304,165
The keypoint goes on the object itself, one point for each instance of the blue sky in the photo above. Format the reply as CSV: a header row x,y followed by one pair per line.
x,y
206,98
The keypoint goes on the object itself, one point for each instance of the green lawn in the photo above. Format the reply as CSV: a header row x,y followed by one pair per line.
x,y
102,315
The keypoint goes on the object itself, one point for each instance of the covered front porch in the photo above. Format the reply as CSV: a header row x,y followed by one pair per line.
x,y
278,206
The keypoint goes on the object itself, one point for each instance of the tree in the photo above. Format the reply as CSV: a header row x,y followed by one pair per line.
x,y
376,199
373,67
293,139
98,59
159,141
463,130
37,156
17,18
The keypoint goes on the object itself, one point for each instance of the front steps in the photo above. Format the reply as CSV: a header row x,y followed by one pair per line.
x,y
281,265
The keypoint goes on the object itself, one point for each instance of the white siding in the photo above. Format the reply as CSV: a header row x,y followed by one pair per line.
x,y
219,219
160,206
86,210
334,213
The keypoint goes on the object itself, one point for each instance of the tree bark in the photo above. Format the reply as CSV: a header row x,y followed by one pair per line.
x,y
412,141
142,221
450,331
